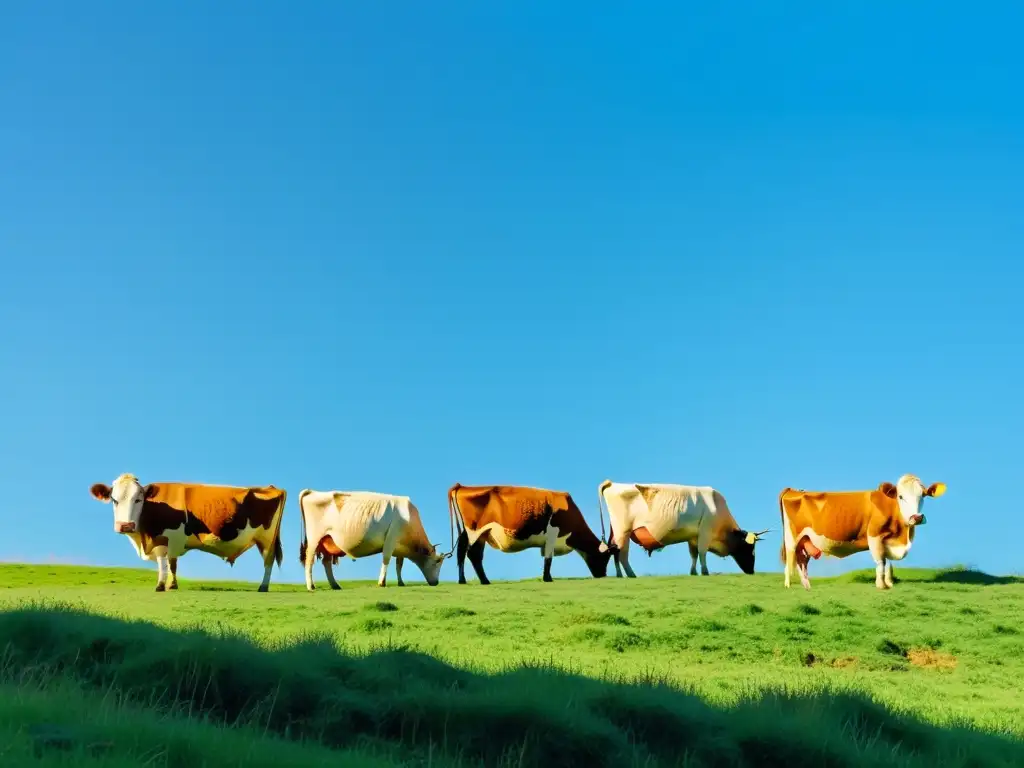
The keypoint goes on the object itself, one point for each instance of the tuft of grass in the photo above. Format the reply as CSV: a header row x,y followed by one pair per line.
x,y
454,612
753,609
375,625
383,606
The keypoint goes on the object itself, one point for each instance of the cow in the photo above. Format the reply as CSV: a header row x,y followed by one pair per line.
x,y
163,521
363,523
841,523
515,518
656,515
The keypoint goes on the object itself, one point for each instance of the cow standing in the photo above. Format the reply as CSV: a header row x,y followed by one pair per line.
x,y
163,521
657,515
841,523
515,518
363,523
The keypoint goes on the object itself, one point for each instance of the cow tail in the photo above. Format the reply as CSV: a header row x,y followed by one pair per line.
x,y
600,512
782,515
302,516
278,551
454,514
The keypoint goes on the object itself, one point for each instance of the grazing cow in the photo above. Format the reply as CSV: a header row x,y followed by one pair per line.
x,y
362,523
515,518
842,523
656,515
163,521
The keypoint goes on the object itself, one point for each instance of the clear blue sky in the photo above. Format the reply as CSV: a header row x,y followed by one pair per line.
x,y
392,246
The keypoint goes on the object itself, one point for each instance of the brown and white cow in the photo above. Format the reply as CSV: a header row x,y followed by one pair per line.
x,y
363,523
656,515
163,521
841,523
515,518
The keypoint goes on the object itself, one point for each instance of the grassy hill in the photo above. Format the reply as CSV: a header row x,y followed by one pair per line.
x,y
723,670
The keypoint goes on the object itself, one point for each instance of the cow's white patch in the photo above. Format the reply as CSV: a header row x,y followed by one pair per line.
x,y
500,538
895,550
829,547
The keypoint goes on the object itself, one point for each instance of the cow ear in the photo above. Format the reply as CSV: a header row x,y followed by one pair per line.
x,y
100,491
935,489
888,489
149,491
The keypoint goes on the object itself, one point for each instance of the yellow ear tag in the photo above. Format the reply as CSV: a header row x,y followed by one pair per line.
x,y
940,488
751,538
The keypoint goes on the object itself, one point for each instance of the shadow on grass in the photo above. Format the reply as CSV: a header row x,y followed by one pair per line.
x,y
398,699
955,575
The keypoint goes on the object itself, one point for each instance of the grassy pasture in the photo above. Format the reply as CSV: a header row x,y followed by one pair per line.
x,y
721,670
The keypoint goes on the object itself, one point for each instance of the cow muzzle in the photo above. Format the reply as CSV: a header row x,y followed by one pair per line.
x,y
917,519
124,527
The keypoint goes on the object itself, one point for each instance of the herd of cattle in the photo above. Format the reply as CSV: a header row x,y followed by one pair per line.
x,y
165,520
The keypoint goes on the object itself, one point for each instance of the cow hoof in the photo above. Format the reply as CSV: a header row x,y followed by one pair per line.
x,y
173,586
484,582
401,583
462,580
335,586
160,587
263,588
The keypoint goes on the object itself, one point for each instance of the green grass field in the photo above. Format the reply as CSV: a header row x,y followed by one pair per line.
x,y
100,670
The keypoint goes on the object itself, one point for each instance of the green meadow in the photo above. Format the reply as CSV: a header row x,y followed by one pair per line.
x,y
99,670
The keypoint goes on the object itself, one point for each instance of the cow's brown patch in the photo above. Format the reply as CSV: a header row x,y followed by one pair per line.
x,y
648,493
929,658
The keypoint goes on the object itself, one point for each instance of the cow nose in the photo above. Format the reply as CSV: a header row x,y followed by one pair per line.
x,y
124,527
915,519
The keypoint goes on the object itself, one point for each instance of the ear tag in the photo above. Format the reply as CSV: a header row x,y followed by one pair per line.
x,y
751,538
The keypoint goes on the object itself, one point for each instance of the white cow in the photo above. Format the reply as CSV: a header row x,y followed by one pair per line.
x,y
362,523
656,515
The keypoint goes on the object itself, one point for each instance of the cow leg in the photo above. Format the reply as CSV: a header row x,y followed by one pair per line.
x,y
311,548
390,541
268,567
790,563
476,559
878,555
173,562
160,553
887,576
398,570
693,559
460,555
548,550
622,556
803,562
702,553
329,571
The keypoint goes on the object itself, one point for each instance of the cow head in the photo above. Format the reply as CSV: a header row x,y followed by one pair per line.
x,y
909,492
430,566
597,561
126,495
741,547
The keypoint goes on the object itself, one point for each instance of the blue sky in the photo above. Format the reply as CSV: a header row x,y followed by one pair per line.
x,y
395,246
